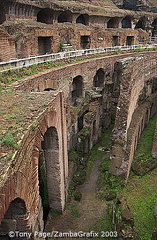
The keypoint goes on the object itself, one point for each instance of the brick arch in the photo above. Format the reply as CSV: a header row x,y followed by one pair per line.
x,y
77,89
113,22
131,115
15,218
83,18
45,15
99,78
127,22
65,16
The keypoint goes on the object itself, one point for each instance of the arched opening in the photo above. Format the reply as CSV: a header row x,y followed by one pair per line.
x,y
65,16
2,15
113,23
15,218
140,24
99,78
83,18
77,89
49,172
126,22
45,16
154,28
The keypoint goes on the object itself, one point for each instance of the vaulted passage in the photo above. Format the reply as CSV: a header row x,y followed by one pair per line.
x,y
113,23
50,172
83,18
65,17
45,16
15,218
99,78
126,22
77,89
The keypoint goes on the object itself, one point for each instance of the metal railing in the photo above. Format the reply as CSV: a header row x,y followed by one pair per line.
x,y
26,62
153,39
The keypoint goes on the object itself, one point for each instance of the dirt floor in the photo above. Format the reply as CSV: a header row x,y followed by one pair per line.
x,y
81,216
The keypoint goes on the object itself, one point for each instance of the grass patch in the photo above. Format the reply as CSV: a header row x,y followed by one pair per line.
x,y
11,76
9,141
141,197
143,161
73,210
96,154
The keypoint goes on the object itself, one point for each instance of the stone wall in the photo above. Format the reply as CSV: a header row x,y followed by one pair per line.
x,y
132,82
22,179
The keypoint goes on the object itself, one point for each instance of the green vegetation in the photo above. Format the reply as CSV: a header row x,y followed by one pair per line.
x,y
74,210
96,154
9,140
140,191
11,76
143,161
10,116
140,194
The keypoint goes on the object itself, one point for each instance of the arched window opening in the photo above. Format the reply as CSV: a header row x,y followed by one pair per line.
x,y
83,18
49,172
113,23
126,22
140,24
154,28
99,78
65,16
45,16
15,218
77,89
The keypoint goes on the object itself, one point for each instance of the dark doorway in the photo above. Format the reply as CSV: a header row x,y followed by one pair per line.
x,y
77,89
129,40
99,78
45,16
83,18
65,16
126,22
44,45
115,41
15,218
85,42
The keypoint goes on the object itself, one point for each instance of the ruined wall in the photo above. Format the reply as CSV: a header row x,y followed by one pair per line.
x,y
22,180
127,129
7,47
